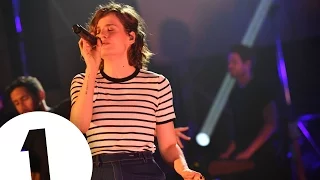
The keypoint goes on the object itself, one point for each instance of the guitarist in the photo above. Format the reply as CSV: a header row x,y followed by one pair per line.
x,y
254,115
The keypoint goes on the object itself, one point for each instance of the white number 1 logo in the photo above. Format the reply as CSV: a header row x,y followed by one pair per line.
x,y
68,153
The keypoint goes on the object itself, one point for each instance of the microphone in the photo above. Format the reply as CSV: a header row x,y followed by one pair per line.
x,y
82,32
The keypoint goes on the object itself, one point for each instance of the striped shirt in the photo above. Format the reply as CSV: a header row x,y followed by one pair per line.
x,y
126,111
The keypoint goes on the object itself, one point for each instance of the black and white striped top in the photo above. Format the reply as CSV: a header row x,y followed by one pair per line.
x,y
126,111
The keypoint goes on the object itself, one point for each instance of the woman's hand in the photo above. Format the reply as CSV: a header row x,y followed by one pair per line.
x,y
189,174
91,54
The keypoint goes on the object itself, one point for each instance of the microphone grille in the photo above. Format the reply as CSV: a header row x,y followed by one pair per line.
x,y
76,28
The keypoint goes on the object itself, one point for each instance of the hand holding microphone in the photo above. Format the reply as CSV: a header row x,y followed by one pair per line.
x,y
83,33
90,47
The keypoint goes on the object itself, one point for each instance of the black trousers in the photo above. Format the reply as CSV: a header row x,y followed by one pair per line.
x,y
128,166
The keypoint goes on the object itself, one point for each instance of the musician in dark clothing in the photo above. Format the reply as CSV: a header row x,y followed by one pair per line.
x,y
255,118
27,95
63,108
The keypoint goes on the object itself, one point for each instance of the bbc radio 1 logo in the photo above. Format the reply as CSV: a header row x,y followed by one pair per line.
x,y
68,153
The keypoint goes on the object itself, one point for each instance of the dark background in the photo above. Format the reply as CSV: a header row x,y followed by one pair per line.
x,y
190,39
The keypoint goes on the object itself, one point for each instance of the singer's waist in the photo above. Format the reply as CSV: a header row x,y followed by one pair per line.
x,y
124,148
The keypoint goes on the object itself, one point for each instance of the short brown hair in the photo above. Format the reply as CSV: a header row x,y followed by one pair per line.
x,y
139,53
245,52
32,84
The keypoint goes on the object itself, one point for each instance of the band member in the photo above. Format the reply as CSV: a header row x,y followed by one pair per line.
x,y
27,94
255,116
120,105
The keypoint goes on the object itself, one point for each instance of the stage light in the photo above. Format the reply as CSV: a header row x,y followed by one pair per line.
x,y
203,139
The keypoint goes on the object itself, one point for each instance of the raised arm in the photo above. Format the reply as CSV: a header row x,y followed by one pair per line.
x,y
82,87
81,92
